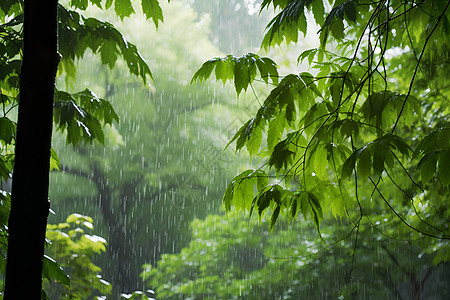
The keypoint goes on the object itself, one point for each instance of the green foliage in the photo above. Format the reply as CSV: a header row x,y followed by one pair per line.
x,y
163,161
240,69
124,8
52,271
83,116
365,132
78,33
231,257
72,245
80,114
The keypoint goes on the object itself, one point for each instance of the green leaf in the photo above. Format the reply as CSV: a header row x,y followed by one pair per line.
x,y
152,10
109,53
239,191
444,167
250,135
349,128
269,195
379,154
267,69
7,130
427,166
318,10
205,70
225,69
52,271
80,4
254,140
305,206
274,217
123,8
336,90
263,201
349,165
242,74
275,131
350,10
78,219
285,25
228,196
321,162
295,205
364,164
281,155
55,164
108,4
261,179
242,69
316,211
243,194
6,164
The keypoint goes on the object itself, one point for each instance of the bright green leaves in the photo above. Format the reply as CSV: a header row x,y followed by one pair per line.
x,y
77,34
270,197
249,135
240,190
83,115
355,119
240,69
74,248
152,10
55,164
244,72
292,96
9,8
292,19
79,4
123,8
375,156
286,25
276,130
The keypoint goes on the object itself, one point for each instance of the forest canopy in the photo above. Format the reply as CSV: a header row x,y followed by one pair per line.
x,y
348,142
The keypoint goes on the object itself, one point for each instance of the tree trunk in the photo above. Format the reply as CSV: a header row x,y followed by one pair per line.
x,y
29,204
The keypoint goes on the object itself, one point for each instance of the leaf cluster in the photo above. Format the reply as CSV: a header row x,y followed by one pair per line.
x,y
83,115
352,131
74,248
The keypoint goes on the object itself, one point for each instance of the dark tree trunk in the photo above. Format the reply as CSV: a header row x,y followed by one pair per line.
x,y
30,205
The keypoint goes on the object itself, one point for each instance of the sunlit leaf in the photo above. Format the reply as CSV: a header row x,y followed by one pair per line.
x,y
123,8
152,10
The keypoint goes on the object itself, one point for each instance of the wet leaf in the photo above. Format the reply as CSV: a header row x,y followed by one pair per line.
x,y
52,271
